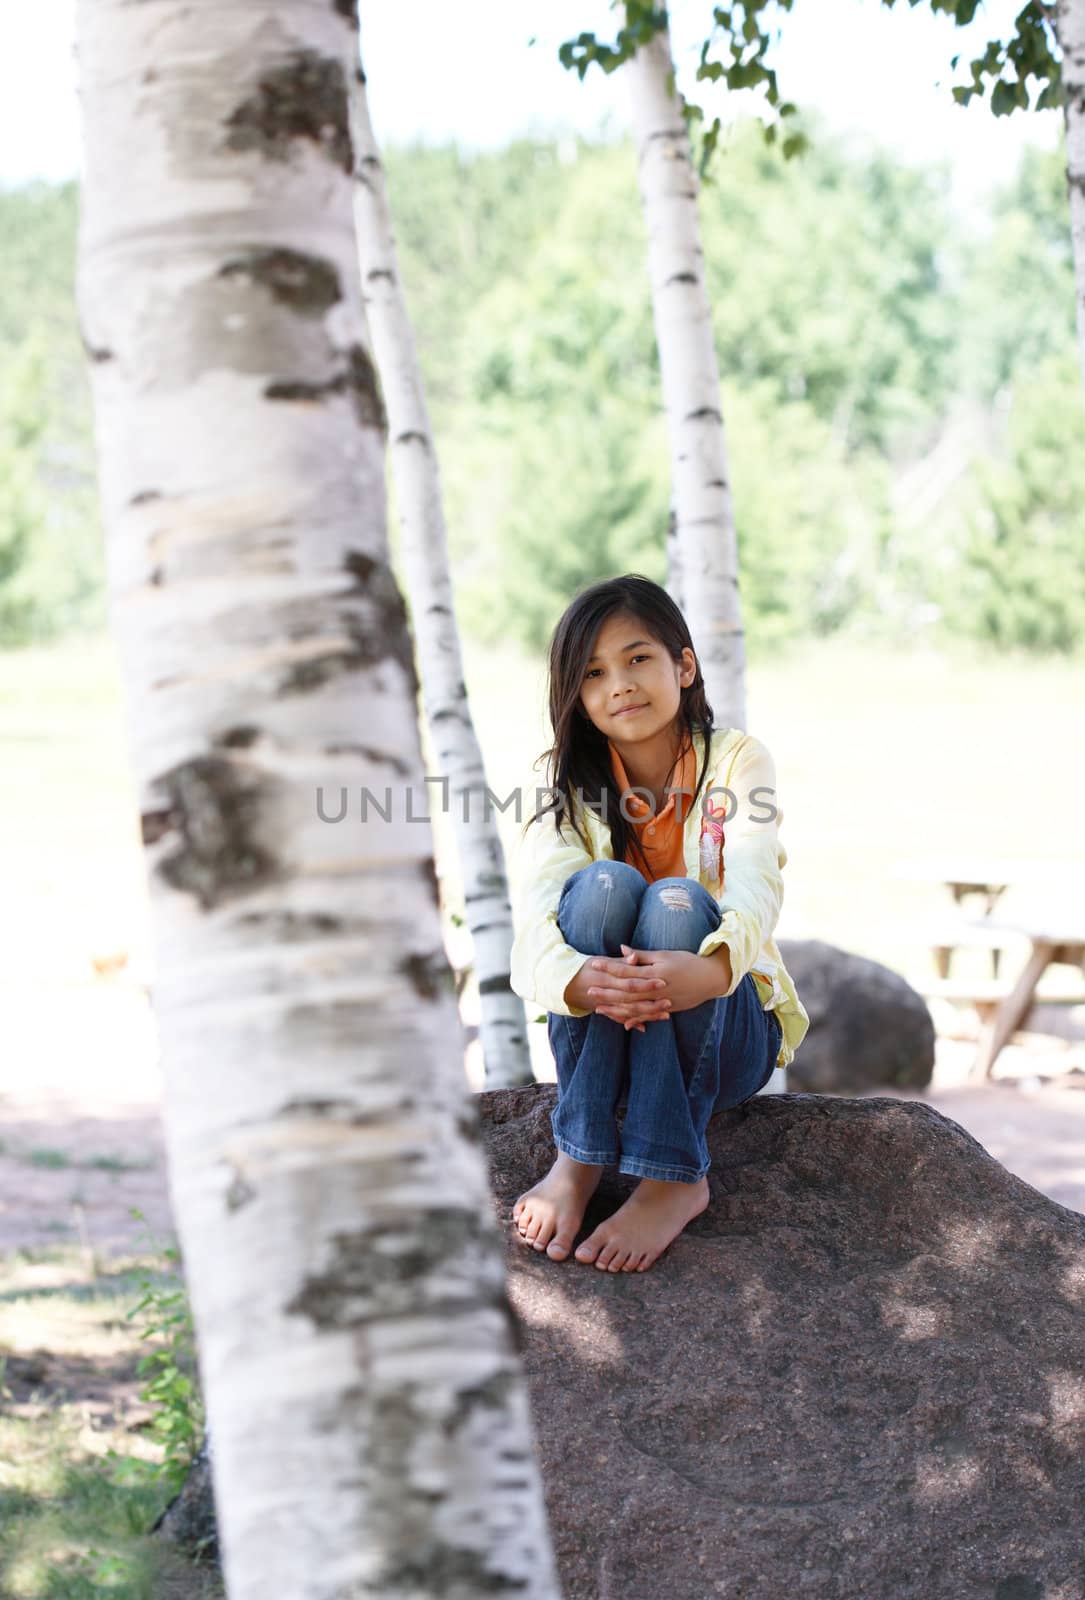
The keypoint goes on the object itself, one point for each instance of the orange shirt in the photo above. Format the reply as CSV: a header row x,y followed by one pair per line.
x,y
660,836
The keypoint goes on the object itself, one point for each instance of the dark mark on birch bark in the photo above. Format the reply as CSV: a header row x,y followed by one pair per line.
x,y
438,1568
95,353
239,1193
214,807
241,738
357,379
288,927
347,1113
154,825
368,752
428,973
390,1269
428,869
492,1394
498,984
377,582
389,1420
306,283
304,99
348,10
373,618
144,497
468,1125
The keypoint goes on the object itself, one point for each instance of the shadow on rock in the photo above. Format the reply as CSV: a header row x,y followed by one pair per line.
x,y
861,1371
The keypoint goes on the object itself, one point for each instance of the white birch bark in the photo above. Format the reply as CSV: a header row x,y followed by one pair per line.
x,y
691,382
1071,32
461,773
674,560
370,1421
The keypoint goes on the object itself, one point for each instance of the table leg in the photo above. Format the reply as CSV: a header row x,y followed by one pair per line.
x,y
1013,1010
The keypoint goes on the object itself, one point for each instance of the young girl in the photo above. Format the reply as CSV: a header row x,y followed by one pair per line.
x,y
649,891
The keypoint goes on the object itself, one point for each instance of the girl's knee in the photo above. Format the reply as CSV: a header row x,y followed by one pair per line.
x,y
672,892
604,877
676,913
599,906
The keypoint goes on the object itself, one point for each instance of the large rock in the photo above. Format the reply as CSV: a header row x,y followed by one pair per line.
x,y
868,1027
859,1374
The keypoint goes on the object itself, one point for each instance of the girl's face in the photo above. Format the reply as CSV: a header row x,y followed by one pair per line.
x,y
631,669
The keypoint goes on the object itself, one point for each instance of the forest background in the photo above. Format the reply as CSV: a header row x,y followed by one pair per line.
x,y
900,383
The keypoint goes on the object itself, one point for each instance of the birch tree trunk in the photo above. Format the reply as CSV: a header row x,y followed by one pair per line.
x,y
691,382
461,772
1071,32
370,1420
674,560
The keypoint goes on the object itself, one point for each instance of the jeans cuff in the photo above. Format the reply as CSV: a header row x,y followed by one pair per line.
x,y
605,1158
638,1168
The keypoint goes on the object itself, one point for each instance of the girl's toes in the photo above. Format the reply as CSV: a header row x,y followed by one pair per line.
x,y
561,1244
606,1256
618,1261
587,1251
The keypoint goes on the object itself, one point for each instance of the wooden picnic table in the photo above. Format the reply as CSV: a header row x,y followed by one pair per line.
x,y
966,877
1053,940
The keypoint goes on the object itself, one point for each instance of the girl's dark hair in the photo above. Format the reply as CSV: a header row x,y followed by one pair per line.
x,y
578,762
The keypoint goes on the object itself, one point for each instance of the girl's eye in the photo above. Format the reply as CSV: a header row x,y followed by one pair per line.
x,y
591,672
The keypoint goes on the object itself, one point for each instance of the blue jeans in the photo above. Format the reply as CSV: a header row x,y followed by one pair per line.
x,y
683,1068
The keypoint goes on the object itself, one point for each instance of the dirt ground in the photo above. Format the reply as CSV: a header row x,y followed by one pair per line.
x,y
81,1143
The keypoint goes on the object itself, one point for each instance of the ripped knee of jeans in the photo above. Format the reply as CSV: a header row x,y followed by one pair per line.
x,y
675,898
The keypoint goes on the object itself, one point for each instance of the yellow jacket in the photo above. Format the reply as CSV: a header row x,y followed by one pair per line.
x,y
746,883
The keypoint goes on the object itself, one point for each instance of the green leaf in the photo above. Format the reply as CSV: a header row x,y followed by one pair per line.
x,y
1003,98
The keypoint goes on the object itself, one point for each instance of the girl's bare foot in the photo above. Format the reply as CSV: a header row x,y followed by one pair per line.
x,y
548,1216
640,1230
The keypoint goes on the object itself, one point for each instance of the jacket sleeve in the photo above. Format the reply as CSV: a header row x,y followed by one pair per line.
x,y
542,964
753,856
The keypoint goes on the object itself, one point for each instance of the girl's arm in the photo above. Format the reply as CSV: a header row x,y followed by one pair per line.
x,y
542,964
753,856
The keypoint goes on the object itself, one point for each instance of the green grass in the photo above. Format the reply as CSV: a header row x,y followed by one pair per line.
x,y
51,1159
76,1498
60,1160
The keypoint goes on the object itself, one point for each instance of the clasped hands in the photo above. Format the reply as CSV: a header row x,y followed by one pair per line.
x,y
648,985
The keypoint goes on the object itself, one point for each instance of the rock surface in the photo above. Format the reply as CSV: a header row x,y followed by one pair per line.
x,y
868,1027
189,1521
859,1373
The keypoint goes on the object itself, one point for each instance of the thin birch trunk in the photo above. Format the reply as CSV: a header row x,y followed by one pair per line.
x,y
461,772
1071,32
674,559
691,382
370,1420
